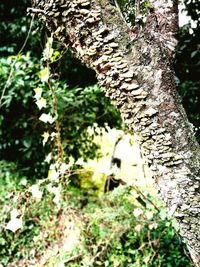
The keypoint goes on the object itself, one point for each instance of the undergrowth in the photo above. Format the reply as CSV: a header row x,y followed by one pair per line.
x,y
116,229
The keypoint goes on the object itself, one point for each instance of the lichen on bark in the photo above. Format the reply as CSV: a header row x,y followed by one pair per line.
x,y
137,75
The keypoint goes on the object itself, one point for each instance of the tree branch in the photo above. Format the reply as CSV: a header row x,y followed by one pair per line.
x,y
140,81
166,13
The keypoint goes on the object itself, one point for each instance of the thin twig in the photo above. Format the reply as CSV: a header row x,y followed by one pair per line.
x,y
74,258
146,198
57,124
119,9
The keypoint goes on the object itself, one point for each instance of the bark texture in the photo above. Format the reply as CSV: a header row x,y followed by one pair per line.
x,y
137,75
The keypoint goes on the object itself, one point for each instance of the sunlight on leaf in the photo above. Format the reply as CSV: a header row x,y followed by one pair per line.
x,y
24,181
45,138
64,167
48,158
38,93
53,175
163,214
175,225
14,213
41,103
48,51
137,212
149,214
137,228
153,225
80,161
46,118
36,192
70,163
15,223
44,75
56,190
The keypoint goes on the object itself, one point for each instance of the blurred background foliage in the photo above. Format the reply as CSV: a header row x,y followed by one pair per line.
x,y
80,104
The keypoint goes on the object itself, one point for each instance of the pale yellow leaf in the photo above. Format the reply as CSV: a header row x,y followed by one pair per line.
x,y
44,75
38,93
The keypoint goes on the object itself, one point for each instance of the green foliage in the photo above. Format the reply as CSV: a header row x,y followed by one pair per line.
x,y
127,234
19,115
111,230
9,180
14,27
78,108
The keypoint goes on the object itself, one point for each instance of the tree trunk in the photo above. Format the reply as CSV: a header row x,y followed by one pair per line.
x,y
137,75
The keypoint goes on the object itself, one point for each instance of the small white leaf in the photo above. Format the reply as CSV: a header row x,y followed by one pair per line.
x,y
48,158
41,103
45,138
46,118
14,213
14,224
53,175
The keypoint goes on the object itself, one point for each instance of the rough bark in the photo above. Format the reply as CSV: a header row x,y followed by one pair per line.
x,y
138,77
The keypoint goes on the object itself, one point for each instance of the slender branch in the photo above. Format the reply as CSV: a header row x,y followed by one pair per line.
x,y
137,8
57,124
146,198
119,9
73,258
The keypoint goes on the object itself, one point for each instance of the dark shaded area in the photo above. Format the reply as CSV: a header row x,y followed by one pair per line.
x,y
187,65
111,182
75,73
